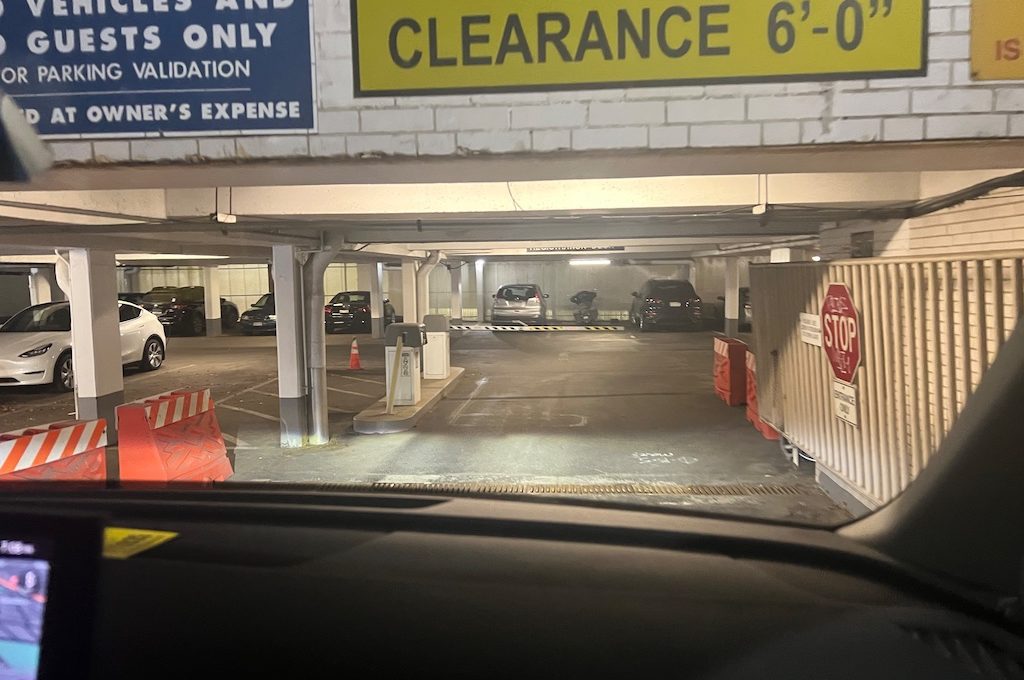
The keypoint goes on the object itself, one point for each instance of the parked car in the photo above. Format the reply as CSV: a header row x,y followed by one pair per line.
x,y
664,303
519,302
35,344
261,317
182,311
350,311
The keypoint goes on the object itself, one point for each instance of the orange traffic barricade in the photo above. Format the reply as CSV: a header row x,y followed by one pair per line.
x,y
730,371
766,430
171,437
65,451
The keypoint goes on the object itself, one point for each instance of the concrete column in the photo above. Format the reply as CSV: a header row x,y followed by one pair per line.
x,y
316,345
409,291
291,355
788,255
481,292
211,286
732,296
456,274
39,286
95,336
371,278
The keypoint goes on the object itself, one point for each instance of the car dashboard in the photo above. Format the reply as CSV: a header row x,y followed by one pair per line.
x,y
315,584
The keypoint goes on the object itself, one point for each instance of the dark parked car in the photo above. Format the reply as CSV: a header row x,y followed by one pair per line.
x,y
350,311
662,303
182,311
261,317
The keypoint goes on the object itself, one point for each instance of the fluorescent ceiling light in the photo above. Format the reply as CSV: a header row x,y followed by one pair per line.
x,y
590,262
168,256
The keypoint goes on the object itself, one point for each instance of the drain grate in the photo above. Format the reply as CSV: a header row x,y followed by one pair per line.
x,y
614,489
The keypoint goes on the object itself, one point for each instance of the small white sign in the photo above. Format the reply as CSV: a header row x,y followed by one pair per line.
x,y
844,401
810,329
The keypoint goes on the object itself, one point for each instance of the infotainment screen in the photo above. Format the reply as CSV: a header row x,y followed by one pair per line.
x,y
24,584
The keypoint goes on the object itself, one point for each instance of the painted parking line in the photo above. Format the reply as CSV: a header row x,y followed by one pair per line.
x,y
365,380
356,394
250,412
536,329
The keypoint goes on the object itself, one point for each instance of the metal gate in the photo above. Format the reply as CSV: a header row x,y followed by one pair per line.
x,y
929,329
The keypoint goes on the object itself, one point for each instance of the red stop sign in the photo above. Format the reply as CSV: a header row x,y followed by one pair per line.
x,y
840,332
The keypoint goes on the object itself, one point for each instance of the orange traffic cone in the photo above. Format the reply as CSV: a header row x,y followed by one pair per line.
x,y
353,359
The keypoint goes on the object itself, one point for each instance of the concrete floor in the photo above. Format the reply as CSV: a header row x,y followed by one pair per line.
x,y
534,408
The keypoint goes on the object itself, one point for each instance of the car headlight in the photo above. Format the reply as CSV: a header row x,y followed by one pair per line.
x,y
37,352
271,317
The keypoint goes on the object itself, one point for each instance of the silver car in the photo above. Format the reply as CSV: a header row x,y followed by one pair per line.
x,y
519,302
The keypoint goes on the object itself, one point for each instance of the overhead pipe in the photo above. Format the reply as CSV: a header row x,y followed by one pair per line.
x,y
313,271
422,286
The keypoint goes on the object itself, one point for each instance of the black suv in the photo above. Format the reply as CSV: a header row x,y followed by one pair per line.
x,y
666,302
182,311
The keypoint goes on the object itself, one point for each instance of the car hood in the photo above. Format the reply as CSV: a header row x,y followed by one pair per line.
x,y
256,314
13,344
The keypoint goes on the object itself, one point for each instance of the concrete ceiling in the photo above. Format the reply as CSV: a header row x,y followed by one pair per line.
x,y
650,214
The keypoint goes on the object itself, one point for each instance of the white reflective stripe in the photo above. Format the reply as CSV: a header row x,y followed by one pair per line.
x,y
83,442
161,415
31,451
193,403
102,441
61,444
206,400
5,449
179,410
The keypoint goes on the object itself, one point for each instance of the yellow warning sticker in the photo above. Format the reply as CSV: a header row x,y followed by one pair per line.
x,y
120,543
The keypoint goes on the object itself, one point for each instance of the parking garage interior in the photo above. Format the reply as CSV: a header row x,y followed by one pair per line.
x,y
609,414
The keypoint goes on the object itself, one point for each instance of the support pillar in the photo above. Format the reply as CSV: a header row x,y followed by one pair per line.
x,y
371,278
316,345
291,361
456,275
409,291
211,288
732,296
95,336
481,292
40,289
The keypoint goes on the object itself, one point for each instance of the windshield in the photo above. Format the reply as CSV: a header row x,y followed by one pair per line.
x,y
750,258
159,296
267,301
351,299
517,292
42,318
678,289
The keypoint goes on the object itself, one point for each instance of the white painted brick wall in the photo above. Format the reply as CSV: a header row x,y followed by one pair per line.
x,y
622,113
943,104
707,110
473,118
549,116
552,140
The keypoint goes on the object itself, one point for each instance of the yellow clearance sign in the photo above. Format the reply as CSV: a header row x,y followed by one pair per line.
x,y
409,47
997,40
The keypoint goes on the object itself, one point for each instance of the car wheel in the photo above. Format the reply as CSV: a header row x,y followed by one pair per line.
x,y
197,324
64,373
153,355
